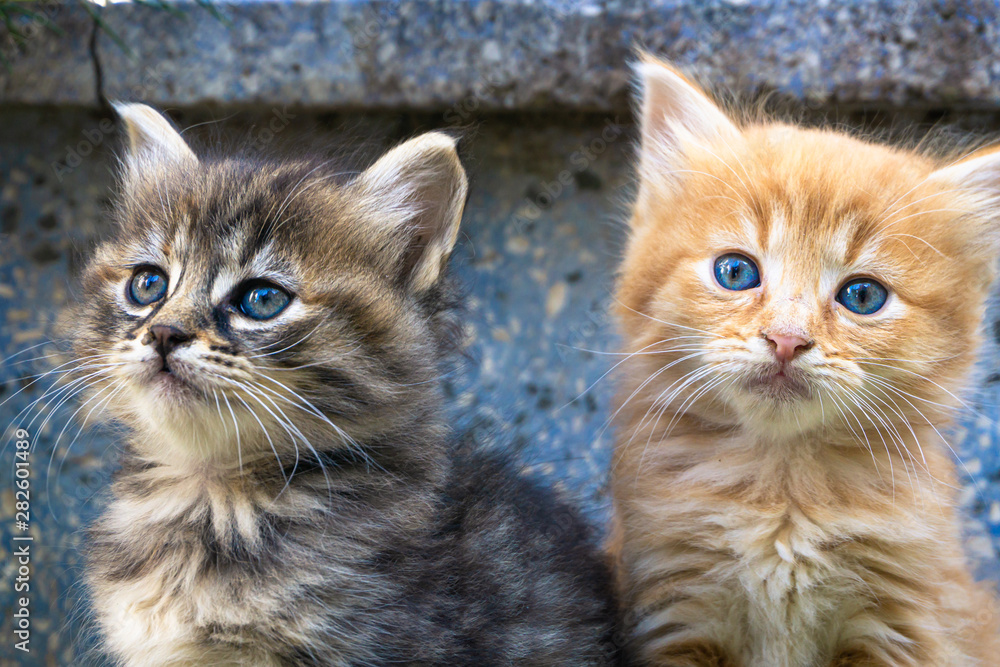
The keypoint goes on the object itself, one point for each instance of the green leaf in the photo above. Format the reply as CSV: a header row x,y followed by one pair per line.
x,y
209,5
9,9
34,16
161,4
8,21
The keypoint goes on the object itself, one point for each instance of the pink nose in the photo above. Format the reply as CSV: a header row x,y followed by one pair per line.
x,y
786,347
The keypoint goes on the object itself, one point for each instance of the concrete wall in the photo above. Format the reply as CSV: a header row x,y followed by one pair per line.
x,y
511,54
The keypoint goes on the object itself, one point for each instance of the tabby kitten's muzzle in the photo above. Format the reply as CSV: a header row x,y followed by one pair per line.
x,y
166,338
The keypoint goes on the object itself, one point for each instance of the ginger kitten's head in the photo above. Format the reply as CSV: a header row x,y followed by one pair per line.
x,y
786,279
245,306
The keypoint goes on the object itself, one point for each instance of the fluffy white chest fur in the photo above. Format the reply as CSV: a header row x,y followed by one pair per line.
x,y
144,621
159,618
163,615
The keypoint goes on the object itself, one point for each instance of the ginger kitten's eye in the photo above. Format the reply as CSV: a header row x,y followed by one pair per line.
x,y
863,296
736,272
262,301
148,284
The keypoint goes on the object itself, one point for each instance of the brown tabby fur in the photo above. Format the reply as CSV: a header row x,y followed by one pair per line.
x,y
290,492
807,523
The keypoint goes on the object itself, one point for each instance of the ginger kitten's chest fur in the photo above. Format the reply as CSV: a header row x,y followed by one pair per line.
x,y
787,556
800,310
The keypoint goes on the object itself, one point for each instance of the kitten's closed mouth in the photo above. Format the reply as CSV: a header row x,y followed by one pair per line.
x,y
782,383
169,381
166,376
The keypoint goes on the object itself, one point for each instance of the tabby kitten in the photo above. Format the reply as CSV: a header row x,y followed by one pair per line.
x,y
801,309
270,335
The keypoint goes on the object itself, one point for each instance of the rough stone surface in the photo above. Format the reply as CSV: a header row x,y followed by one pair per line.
x,y
51,64
489,55
536,255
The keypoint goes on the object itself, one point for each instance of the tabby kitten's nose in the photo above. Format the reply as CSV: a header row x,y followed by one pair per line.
x,y
167,337
786,347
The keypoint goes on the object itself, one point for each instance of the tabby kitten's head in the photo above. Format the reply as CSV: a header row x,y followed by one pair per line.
x,y
787,279
246,308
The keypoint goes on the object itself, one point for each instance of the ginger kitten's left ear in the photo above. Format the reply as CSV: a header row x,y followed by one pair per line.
x,y
417,193
152,138
677,118
979,176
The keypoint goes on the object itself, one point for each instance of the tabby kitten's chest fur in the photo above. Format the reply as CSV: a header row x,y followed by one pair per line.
x,y
270,334
801,309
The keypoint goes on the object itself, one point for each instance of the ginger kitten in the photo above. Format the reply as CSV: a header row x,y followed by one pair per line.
x,y
269,333
801,309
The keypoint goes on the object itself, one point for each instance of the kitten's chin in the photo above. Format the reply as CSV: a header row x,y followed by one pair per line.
x,y
166,401
176,389
779,405
780,389
172,408
179,424
172,390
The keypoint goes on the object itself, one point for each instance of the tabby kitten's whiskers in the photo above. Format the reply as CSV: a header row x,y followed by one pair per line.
x,y
290,492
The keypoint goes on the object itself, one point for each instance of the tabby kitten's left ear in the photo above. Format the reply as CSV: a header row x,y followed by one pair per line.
x,y
417,192
152,138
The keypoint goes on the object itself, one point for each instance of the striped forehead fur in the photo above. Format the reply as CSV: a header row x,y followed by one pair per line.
x,y
341,241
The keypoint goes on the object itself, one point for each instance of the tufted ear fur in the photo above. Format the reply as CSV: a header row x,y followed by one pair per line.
x,y
977,179
418,189
676,117
152,138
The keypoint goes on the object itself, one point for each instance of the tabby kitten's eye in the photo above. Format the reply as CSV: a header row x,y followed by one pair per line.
x,y
263,301
863,296
148,284
736,272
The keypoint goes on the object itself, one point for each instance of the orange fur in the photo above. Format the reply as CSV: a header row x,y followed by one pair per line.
x,y
756,527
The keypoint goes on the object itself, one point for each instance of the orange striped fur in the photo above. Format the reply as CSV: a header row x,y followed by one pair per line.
x,y
805,520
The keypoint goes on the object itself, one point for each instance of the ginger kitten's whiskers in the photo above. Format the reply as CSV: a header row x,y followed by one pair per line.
x,y
797,507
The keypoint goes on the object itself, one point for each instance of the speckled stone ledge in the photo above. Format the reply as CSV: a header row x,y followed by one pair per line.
x,y
52,64
491,55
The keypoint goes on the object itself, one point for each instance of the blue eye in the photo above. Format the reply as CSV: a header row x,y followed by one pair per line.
x,y
863,296
148,284
264,301
736,272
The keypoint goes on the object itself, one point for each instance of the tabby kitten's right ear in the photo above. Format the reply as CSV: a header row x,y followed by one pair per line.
x,y
676,118
417,192
152,138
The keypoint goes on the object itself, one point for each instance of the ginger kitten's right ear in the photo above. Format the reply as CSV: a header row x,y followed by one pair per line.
x,y
977,176
152,138
677,117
